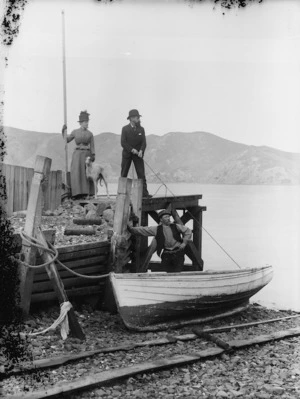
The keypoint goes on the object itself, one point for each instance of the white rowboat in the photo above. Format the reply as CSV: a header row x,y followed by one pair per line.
x,y
150,301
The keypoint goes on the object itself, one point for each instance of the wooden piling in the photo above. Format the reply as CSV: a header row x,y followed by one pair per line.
x,y
33,219
120,224
136,200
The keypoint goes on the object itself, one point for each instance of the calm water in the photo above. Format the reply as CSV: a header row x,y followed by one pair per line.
x,y
257,225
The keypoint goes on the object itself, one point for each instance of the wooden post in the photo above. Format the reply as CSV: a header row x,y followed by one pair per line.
x,y
120,222
33,219
136,200
59,287
197,232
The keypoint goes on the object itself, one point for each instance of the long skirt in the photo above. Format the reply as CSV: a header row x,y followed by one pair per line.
x,y
80,185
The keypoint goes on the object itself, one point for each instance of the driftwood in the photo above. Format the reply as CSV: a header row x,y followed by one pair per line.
x,y
111,375
209,337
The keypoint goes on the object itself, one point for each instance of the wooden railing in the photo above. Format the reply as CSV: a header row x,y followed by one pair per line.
x,y
18,183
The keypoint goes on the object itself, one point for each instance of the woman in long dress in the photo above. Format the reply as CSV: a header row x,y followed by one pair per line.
x,y
84,139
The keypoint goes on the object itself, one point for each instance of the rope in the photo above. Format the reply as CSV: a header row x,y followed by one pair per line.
x,y
54,255
61,321
193,217
162,185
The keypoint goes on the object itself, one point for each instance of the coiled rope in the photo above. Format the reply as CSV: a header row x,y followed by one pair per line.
x,y
192,216
54,255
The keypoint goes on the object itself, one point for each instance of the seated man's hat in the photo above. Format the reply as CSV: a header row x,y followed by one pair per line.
x,y
164,212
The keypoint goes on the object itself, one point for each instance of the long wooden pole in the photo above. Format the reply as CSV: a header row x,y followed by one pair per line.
x,y
65,94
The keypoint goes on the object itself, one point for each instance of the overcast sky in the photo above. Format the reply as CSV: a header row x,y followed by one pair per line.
x,y
185,67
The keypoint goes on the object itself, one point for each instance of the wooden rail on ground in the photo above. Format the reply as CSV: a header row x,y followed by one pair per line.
x,y
109,376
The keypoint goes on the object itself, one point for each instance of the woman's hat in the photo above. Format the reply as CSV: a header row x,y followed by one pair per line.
x,y
84,116
164,212
132,113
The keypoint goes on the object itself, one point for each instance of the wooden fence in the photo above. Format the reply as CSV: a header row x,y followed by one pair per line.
x,y
18,183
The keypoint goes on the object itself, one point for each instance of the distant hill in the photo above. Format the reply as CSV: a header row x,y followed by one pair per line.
x,y
177,157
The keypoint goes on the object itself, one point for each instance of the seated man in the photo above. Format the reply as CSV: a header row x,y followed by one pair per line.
x,y
171,238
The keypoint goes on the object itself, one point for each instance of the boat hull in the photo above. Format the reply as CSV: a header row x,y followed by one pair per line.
x,y
158,299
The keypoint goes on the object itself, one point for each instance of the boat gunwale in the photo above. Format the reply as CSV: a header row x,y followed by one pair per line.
x,y
190,273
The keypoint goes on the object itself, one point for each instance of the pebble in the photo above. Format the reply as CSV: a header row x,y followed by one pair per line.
x,y
241,374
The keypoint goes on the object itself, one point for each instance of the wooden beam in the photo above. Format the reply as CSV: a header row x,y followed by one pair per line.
x,y
59,287
197,233
154,216
112,375
136,200
187,216
33,219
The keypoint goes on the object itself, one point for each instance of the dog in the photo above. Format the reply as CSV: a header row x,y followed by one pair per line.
x,y
96,172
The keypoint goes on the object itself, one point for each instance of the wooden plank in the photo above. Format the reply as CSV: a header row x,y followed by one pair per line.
x,y
111,375
64,359
59,288
33,219
17,189
78,231
24,189
29,177
67,282
72,293
95,269
82,254
178,202
84,221
99,261
82,247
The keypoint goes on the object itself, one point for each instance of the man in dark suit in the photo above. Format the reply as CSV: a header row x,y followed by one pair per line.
x,y
133,141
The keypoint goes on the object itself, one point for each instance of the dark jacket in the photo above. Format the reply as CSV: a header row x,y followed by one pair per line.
x,y
133,138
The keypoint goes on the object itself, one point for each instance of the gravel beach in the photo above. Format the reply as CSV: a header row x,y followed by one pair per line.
x,y
261,371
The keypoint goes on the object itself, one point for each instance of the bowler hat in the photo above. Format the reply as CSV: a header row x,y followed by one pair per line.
x,y
84,116
164,212
132,113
